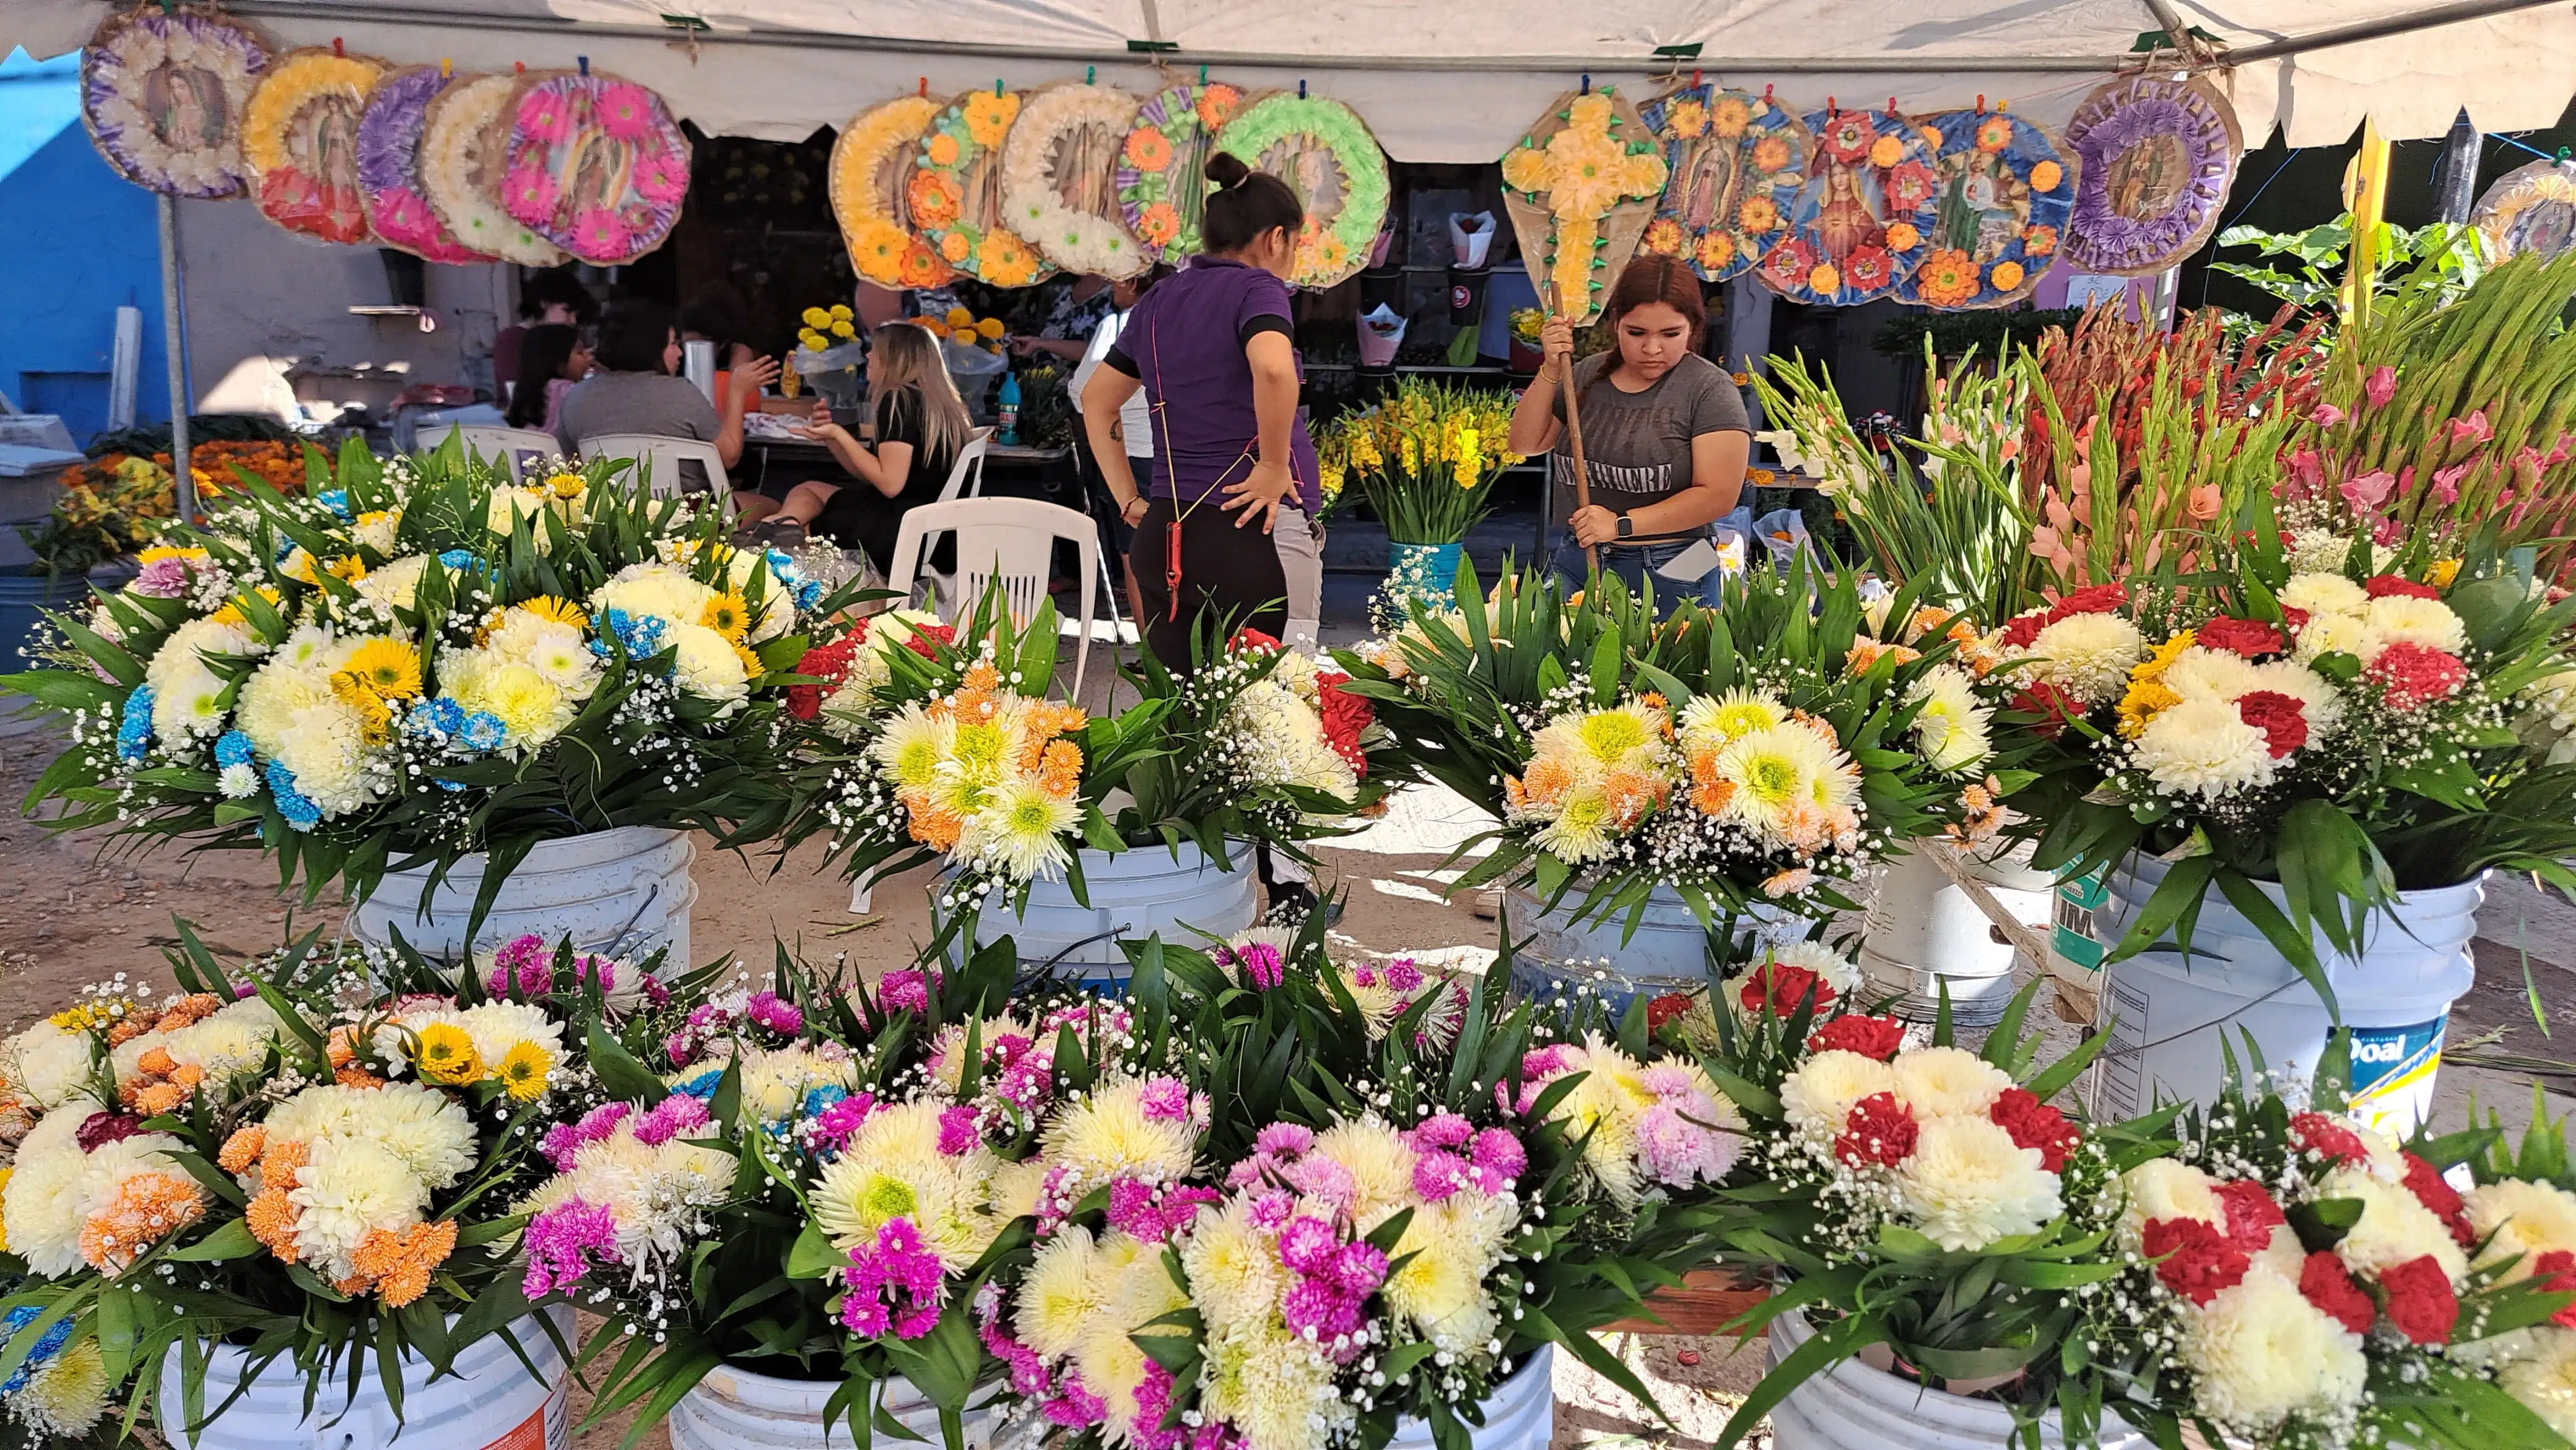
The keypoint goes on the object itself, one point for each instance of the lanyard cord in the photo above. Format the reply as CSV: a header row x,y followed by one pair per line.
x,y
1155,406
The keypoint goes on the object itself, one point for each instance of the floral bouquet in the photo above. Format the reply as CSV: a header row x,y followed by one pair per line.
x,y
1427,456
2343,723
2521,1211
314,1161
425,661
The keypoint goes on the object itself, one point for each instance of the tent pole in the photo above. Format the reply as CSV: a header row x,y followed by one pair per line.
x,y
174,341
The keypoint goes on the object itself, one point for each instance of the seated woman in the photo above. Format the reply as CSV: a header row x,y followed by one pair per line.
x,y
920,425
552,357
635,391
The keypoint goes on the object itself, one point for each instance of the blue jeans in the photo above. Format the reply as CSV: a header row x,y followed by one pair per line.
x,y
1633,563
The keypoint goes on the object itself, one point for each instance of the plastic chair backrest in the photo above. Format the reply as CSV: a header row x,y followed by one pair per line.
x,y
505,445
966,475
660,458
1009,540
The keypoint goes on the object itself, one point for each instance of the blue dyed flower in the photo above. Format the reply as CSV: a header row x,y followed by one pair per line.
x,y
336,500
819,1098
641,635
232,748
703,1086
48,1344
809,594
482,730
441,716
134,727
460,559
298,808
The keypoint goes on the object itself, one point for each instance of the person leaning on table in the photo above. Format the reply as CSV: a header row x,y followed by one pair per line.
x,y
634,390
1665,438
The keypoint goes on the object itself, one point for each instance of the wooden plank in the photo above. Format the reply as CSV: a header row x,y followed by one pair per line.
x,y
1707,1301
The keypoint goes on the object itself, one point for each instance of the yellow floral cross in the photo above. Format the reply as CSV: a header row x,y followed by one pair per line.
x,y
1579,176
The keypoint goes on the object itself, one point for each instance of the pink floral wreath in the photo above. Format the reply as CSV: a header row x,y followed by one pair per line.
x,y
596,166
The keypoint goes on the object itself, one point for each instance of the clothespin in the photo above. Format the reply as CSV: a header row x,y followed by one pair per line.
x,y
1301,88
2002,106
1831,110
169,7
1695,75
518,67
1766,93
1202,75
446,68
925,87
337,48
583,62
1981,103
1587,83
1091,75
1891,105
997,86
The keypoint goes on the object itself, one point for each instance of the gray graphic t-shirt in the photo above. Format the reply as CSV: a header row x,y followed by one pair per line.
x,y
1637,446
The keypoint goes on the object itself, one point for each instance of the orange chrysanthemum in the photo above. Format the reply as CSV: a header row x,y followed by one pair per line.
x,y
280,1161
157,1062
1548,779
343,1046
124,1032
160,1097
187,1075
271,1220
1867,652
357,1077
242,1149
1060,769
147,1208
1712,797
399,1264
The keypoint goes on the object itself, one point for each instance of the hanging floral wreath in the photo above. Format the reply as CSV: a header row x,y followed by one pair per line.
x,y
164,96
1162,169
1059,178
1735,163
389,134
1863,221
2159,156
2529,209
464,140
300,137
596,166
955,194
1324,151
2002,197
1580,188
871,162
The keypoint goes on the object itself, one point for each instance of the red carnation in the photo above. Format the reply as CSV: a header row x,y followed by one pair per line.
x,y
1665,1008
1346,716
2435,1192
2021,629
2420,1301
2251,638
826,662
2411,674
2251,1214
1249,638
926,638
2093,599
2198,1262
2054,705
2282,719
2325,1284
1880,1130
1872,1037
2385,586
100,1129
2328,1139
1781,987
2555,1273
2295,617
2034,1124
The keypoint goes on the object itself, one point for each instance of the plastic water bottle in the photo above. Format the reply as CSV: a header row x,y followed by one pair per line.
x,y
1007,412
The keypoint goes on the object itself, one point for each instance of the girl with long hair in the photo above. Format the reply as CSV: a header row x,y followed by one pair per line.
x,y
552,357
920,426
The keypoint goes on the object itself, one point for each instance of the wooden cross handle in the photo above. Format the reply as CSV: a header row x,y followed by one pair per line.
x,y
1574,435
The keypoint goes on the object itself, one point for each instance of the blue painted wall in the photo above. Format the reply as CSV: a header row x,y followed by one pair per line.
x,y
76,243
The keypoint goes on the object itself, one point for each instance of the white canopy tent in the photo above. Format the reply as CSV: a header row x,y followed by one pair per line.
x,y
1460,80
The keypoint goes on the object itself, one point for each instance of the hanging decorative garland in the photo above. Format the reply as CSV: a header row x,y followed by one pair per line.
x,y
1864,218
1162,169
1059,178
389,135
956,191
1580,188
300,136
871,162
1999,214
163,96
1735,163
596,166
2158,157
2530,209
1324,151
464,141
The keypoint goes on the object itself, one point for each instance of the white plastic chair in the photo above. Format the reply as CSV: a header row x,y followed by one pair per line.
x,y
503,445
966,475
660,458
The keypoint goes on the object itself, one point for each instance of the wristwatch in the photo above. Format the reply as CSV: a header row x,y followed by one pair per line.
x,y
1627,527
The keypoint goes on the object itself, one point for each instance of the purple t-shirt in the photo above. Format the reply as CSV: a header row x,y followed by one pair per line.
x,y
1184,342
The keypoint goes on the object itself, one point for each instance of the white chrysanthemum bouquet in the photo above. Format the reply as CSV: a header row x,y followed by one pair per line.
x,y
2345,729
420,658
317,1154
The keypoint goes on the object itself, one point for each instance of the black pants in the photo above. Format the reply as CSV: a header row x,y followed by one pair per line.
x,y
1229,577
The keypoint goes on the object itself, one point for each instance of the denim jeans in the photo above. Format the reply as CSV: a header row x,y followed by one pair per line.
x,y
1633,563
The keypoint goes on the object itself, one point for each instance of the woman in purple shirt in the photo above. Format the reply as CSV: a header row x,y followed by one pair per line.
x,y
1210,347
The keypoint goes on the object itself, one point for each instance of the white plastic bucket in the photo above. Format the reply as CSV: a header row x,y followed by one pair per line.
x,y
2167,1018
1855,1407
625,891
1179,893
490,1402
1668,953
1924,932
735,1409
1519,1415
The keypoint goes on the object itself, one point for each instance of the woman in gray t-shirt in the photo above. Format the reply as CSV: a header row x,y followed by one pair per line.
x,y
1665,438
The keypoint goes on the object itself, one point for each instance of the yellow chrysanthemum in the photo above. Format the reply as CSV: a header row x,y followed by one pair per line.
x,y
390,667
557,611
523,1071
446,1055
728,615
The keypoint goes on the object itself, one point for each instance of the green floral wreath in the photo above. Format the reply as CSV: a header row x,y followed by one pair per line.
x,y
1329,250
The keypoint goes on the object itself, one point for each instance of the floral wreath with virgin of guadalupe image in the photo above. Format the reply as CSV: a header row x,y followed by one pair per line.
x,y
389,181
1736,162
1864,218
163,96
871,163
596,166
1324,151
2001,210
300,137
956,196
2158,156
1059,178
464,141
1162,170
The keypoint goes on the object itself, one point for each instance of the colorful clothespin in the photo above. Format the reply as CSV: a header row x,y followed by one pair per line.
x,y
1891,105
997,86
925,87
1695,74
1766,93
1091,75
446,68
583,62
1981,103
1301,88
337,48
1587,83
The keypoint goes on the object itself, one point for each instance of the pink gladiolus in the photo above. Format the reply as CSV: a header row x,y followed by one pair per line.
x,y
2203,502
2381,386
2370,490
2562,450
2446,482
2306,470
2529,463
2471,429
2326,415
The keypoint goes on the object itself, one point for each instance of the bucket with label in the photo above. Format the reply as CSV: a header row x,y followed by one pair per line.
x,y
491,1402
2172,1022
1928,934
